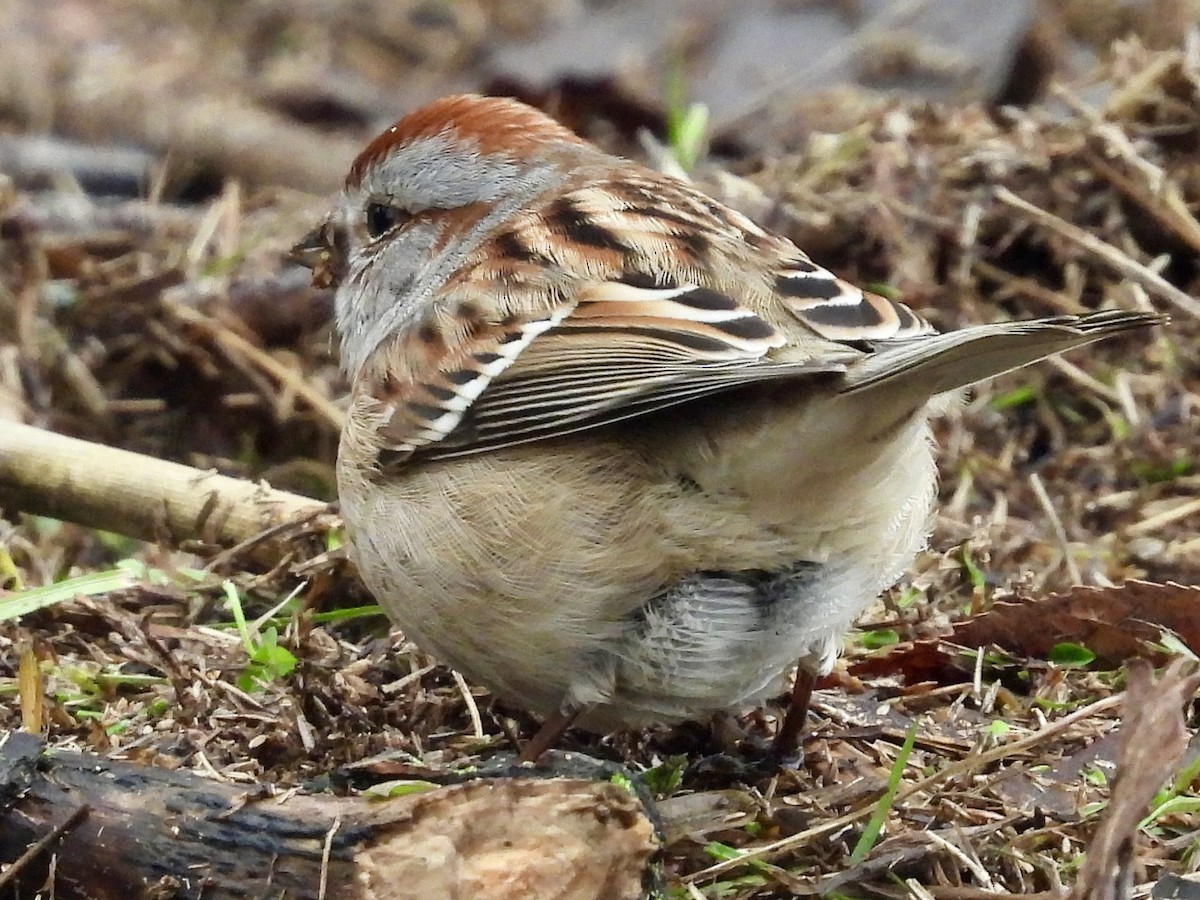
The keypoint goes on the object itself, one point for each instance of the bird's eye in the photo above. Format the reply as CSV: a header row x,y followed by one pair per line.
x,y
382,218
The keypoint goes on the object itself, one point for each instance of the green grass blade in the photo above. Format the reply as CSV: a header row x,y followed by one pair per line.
x,y
871,833
21,603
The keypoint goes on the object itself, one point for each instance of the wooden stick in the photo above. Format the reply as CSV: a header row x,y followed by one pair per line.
x,y
103,487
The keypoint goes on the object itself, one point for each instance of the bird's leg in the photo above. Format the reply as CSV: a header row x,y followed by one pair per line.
x,y
787,739
547,736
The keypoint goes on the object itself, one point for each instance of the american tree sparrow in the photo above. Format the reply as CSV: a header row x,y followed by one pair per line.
x,y
613,450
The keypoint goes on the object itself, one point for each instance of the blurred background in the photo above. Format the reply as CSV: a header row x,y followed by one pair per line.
x,y
281,92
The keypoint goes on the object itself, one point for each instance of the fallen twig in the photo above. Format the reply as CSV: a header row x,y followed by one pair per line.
x,y
562,829
290,379
1106,252
104,487
961,767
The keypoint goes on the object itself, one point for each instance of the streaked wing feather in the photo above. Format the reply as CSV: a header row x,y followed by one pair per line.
x,y
618,351
426,401
520,410
839,311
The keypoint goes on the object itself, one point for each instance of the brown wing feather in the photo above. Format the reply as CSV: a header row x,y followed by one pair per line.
x,y
631,336
424,400
615,353
621,353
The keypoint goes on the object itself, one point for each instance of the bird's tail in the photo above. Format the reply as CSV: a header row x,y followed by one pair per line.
x,y
926,366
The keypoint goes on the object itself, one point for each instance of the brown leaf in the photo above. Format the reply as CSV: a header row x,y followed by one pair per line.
x,y
1115,623
931,661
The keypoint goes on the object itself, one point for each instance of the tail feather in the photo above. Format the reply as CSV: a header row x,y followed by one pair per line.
x,y
937,363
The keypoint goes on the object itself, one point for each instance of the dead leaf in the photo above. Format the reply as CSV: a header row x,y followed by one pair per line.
x,y
1115,623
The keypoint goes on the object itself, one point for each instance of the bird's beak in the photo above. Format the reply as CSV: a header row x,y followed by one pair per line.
x,y
316,251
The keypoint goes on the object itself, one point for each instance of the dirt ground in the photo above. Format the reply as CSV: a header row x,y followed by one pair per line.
x,y
158,158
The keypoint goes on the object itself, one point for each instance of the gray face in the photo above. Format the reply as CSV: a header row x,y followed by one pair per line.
x,y
389,225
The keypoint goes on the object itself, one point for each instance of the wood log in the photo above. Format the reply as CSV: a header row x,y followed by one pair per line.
x,y
570,828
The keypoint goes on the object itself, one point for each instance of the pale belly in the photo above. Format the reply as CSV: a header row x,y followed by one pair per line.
x,y
634,574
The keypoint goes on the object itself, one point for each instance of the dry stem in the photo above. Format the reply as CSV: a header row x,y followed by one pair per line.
x,y
102,487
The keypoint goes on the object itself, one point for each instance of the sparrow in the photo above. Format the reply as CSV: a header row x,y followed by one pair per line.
x,y
613,450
